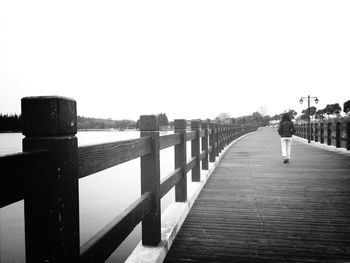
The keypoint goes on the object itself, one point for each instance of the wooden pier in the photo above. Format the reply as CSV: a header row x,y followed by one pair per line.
x,y
254,208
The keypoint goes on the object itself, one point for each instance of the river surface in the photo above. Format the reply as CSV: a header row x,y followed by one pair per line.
x,y
103,196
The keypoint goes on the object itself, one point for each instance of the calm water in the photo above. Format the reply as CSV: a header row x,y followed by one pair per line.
x,y
103,196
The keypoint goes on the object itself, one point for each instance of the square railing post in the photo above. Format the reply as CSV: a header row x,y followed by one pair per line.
x,y
305,131
347,135
312,132
180,161
322,132
150,181
217,139
205,139
51,203
329,133
212,142
195,151
337,134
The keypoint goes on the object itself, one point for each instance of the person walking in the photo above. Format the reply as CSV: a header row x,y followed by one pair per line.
x,y
286,130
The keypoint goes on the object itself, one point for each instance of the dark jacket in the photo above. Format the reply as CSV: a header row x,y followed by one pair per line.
x,y
286,129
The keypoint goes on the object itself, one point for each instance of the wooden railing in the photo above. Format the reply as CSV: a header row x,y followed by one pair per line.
x,y
46,176
330,133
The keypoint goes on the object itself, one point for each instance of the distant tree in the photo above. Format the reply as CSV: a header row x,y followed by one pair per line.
x,y
10,123
319,114
265,120
331,109
163,119
222,117
305,112
276,117
93,123
257,117
346,106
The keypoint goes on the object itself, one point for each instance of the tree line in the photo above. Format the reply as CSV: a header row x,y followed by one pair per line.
x,y
13,123
86,123
330,110
256,118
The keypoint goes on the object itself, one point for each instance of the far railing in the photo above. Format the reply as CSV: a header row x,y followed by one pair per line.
x,y
328,132
46,176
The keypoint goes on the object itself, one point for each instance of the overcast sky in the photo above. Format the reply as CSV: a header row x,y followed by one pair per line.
x,y
189,59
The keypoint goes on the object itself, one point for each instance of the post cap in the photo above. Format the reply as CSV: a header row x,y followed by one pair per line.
x,y
180,124
149,123
195,124
49,116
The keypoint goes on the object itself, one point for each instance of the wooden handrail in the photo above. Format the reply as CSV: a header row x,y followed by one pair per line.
x,y
169,140
170,181
46,177
95,158
101,245
15,169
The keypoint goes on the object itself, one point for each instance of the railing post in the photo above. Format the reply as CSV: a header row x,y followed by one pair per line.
x,y
322,132
180,161
297,129
51,204
150,181
316,131
219,130
329,133
217,139
195,151
205,161
312,132
212,142
337,134
347,135
302,130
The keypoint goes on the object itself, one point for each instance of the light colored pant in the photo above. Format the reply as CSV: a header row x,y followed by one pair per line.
x,y
286,144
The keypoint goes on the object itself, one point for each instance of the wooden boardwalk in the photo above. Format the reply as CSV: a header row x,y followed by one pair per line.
x,y
254,208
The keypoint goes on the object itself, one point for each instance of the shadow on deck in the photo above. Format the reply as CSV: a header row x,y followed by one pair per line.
x,y
255,208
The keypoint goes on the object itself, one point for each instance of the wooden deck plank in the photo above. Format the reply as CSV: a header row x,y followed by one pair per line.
x,y
255,208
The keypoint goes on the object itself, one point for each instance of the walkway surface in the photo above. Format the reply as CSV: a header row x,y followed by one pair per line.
x,y
255,208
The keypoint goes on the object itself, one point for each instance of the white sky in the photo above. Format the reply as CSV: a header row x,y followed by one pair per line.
x,y
189,59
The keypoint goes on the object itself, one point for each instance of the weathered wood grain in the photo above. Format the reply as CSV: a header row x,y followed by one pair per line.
x,y
191,135
169,140
170,181
102,245
95,158
190,164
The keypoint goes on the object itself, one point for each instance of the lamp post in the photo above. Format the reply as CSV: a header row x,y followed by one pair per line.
x,y
308,114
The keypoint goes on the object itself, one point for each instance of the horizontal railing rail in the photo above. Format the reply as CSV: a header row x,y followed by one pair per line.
x,y
95,158
46,176
336,133
14,168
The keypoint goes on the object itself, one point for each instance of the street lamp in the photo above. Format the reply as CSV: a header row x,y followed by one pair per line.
x,y
308,114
